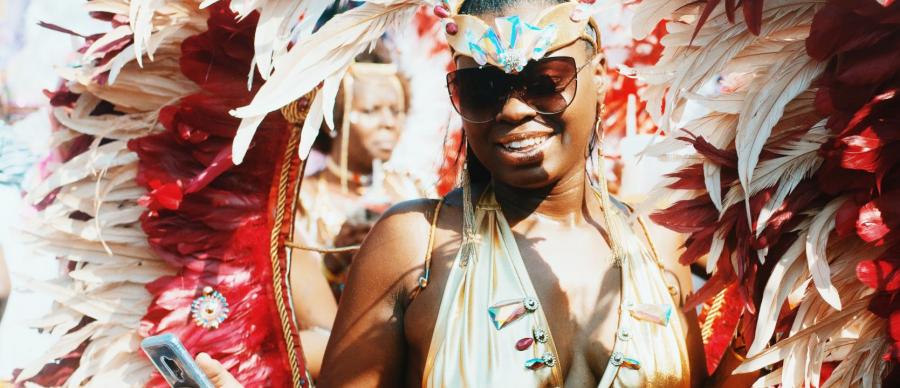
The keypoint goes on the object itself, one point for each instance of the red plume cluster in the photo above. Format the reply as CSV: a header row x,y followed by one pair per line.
x,y
209,218
858,93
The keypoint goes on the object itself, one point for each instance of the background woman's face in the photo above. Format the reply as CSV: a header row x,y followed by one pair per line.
x,y
555,145
376,118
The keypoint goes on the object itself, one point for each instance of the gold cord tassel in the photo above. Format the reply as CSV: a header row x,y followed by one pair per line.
x,y
470,236
614,228
345,131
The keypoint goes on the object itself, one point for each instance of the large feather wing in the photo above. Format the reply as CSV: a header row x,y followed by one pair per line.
x,y
322,56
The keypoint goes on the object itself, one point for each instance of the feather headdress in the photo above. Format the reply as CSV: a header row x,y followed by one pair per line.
x,y
786,194
322,57
88,204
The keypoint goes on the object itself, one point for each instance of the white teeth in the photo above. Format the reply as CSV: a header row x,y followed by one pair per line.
x,y
525,143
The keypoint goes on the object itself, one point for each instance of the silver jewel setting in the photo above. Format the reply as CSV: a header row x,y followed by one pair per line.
x,y
540,335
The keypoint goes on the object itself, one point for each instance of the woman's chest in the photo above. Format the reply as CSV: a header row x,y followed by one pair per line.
x,y
577,289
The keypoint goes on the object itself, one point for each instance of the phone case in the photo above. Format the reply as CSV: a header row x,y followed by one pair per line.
x,y
174,362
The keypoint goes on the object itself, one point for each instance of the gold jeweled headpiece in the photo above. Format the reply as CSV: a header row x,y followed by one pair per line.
x,y
511,42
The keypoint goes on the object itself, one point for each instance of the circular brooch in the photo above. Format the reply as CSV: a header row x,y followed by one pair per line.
x,y
210,309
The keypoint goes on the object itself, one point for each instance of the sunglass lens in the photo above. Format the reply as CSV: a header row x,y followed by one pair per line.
x,y
548,84
478,93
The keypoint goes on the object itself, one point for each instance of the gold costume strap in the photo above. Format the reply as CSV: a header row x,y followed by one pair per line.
x,y
614,228
423,280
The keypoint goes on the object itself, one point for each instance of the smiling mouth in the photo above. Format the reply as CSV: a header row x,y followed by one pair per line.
x,y
525,145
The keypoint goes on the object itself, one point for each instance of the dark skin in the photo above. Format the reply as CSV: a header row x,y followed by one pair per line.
x,y
381,339
384,327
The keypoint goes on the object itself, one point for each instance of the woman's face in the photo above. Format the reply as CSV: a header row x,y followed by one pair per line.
x,y
375,119
523,148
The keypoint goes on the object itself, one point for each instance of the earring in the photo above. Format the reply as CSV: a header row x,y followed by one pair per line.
x,y
596,151
614,228
470,238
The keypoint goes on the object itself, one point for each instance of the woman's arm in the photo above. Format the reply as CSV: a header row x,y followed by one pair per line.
x,y
368,346
314,306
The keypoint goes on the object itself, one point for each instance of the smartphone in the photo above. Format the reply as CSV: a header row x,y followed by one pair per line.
x,y
174,362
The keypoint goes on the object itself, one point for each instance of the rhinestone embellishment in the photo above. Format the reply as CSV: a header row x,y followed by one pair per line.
x,y
624,334
535,363
539,335
619,359
531,304
524,343
505,312
210,309
631,363
655,313
547,359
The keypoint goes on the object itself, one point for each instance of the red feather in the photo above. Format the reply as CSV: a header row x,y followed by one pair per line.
x,y
211,219
753,10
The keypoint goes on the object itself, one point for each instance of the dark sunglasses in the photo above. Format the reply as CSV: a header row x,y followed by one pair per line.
x,y
548,86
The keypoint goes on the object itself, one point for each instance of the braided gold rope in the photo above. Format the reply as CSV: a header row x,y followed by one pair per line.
x,y
715,310
274,248
613,228
349,248
295,113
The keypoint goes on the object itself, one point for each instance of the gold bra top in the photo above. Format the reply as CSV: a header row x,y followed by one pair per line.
x,y
492,332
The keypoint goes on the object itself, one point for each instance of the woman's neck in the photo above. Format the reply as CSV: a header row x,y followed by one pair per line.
x,y
331,173
563,201
354,165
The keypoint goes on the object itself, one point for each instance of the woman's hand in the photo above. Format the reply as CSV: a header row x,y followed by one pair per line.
x,y
216,372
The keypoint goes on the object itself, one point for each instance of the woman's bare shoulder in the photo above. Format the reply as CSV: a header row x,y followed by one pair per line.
x,y
392,255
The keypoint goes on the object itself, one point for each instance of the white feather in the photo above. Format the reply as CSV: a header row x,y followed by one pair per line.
x,y
799,160
328,51
713,181
311,126
715,251
765,105
777,289
816,241
784,348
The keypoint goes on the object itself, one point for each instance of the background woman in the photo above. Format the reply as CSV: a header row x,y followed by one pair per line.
x,y
339,203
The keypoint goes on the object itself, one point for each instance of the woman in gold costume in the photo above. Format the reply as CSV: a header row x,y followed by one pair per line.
x,y
529,274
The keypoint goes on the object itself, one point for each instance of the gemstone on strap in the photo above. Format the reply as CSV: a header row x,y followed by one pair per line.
x,y
619,359
524,343
540,335
535,363
631,363
505,312
547,359
656,313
